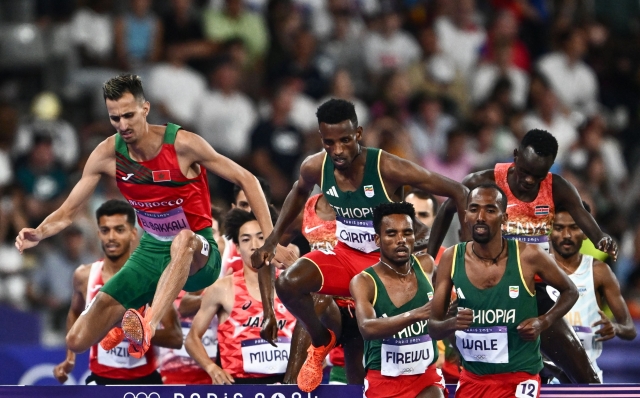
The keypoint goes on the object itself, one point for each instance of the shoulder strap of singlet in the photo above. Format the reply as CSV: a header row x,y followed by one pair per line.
x,y
121,146
170,133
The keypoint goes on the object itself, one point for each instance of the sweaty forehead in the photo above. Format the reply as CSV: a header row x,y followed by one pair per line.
x,y
397,221
337,130
485,196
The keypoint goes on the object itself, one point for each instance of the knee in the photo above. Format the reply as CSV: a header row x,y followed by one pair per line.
x,y
185,240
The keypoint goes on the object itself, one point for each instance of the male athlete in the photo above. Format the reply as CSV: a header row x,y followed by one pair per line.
x,y
393,308
117,233
160,170
353,179
245,357
497,328
533,194
596,285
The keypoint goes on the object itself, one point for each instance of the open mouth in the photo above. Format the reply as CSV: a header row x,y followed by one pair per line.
x,y
481,229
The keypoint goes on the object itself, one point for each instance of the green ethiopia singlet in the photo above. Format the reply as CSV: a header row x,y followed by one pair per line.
x,y
354,209
492,344
411,350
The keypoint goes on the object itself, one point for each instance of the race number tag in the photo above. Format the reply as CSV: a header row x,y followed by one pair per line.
x,y
258,356
484,344
409,356
118,357
164,225
527,389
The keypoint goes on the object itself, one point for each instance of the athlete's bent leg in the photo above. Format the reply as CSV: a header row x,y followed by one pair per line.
x,y
300,339
431,392
560,344
187,258
294,287
95,322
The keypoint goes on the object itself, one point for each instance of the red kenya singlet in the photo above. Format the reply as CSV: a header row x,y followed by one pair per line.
x,y
529,222
319,233
115,363
166,202
243,353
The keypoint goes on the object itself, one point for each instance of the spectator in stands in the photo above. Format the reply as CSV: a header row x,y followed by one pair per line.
x,y
277,145
429,126
46,118
235,21
138,37
225,115
49,286
504,33
456,162
342,87
573,81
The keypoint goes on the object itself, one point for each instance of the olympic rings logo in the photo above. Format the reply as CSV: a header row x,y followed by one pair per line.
x,y
480,357
141,395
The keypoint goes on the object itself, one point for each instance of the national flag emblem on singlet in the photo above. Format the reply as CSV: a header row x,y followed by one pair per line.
x,y
514,291
541,210
368,191
161,175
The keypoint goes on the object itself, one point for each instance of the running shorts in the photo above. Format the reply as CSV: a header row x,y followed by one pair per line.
x,y
378,386
339,265
135,284
502,385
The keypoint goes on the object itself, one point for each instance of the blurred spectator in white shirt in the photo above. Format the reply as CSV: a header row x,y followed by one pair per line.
x,y
461,37
487,74
226,115
429,126
573,81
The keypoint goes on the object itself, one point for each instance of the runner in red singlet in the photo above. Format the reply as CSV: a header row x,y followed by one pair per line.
x,y
244,356
160,170
533,194
117,232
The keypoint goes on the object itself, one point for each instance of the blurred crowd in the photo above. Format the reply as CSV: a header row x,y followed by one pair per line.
x,y
450,84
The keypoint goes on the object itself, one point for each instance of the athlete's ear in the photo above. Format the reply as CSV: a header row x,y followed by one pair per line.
x,y
146,108
376,239
359,131
505,217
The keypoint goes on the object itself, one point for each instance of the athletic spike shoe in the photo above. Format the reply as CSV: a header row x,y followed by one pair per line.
x,y
138,331
112,339
310,375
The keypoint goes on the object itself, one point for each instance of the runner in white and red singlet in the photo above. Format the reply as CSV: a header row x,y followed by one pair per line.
x,y
245,358
117,232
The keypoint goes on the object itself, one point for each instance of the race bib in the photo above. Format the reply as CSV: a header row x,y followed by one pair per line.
x,y
165,225
484,344
208,340
540,240
118,357
258,356
409,356
588,339
357,234
527,389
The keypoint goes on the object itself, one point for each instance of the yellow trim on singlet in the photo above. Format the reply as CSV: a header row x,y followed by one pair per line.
x,y
520,269
375,287
453,263
319,270
380,177
324,160
422,269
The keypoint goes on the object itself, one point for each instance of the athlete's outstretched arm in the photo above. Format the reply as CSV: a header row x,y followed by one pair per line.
x,y
212,303
567,196
439,328
401,172
197,150
609,288
443,218
534,261
101,161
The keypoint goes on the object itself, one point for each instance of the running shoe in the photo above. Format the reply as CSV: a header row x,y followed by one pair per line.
x,y
138,331
112,339
310,375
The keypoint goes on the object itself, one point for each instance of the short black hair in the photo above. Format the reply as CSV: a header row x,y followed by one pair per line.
x,y
542,142
385,209
114,88
236,218
264,184
115,206
490,185
562,208
337,110
424,195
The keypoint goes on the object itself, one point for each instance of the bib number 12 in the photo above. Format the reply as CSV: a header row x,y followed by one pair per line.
x,y
527,389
